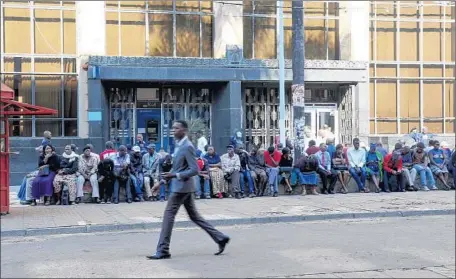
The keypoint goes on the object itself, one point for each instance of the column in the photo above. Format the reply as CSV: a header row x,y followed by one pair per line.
x,y
90,40
97,113
226,114
228,26
354,45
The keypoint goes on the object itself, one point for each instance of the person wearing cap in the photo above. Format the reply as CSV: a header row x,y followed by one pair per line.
x,y
122,173
231,166
150,162
136,172
392,166
374,166
87,170
438,164
408,171
420,160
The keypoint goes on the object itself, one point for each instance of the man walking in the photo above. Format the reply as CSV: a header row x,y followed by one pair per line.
x,y
182,193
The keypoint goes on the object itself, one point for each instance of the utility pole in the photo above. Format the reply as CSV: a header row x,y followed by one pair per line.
x,y
281,57
297,88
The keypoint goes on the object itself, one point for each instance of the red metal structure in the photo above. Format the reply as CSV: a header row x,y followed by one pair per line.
x,y
9,107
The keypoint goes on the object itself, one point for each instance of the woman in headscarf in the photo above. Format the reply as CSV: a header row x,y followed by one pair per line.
x,y
374,161
219,184
67,175
42,185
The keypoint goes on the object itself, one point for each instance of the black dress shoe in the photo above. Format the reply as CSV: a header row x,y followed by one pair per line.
x,y
159,256
222,244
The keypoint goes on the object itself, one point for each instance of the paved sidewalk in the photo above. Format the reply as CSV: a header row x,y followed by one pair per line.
x,y
83,218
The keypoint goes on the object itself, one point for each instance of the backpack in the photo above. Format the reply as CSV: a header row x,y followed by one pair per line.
x,y
310,163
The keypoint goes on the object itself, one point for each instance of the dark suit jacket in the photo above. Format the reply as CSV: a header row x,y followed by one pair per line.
x,y
185,167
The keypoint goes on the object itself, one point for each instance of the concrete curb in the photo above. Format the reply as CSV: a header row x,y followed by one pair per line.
x,y
222,222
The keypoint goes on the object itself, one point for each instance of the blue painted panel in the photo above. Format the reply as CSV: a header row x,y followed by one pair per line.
x,y
94,116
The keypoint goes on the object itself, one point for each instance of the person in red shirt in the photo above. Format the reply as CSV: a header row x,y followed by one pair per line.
x,y
272,160
313,148
108,151
392,166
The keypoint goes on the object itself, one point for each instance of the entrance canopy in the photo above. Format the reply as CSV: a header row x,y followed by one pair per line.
x,y
9,107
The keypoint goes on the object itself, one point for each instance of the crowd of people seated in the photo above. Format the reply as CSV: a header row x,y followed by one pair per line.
x,y
238,173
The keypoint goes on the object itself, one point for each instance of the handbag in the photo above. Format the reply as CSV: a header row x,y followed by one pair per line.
x,y
44,171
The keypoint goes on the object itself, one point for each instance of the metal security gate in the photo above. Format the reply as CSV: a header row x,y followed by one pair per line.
x,y
261,112
122,115
190,104
347,124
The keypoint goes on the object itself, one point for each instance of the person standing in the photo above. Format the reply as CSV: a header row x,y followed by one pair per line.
x,y
183,189
202,142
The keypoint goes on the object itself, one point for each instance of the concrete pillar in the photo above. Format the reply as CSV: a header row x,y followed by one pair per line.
x,y
354,45
228,26
96,113
226,114
90,40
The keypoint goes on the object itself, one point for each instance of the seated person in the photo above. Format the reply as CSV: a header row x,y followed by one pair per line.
x,y
324,170
219,184
244,173
453,164
106,180
164,166
374,166
286,167
313,148
438,164
340,168
272,160
392,166
357,160
136,172
306,170
231,166
87,171
49,164
408,171
420,161
66,176
150,162
122,173
258,171
203,177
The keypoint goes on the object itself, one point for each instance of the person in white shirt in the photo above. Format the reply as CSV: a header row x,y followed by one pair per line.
x,y
202,142
357,160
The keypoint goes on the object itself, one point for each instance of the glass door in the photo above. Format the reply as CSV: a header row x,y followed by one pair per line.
x,y
321,124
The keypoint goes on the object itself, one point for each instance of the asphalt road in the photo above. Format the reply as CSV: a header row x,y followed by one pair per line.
x,y
390,247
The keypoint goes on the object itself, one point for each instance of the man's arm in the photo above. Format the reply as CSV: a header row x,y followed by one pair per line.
x,y
386,163
237,163
192,169
350,159
328,162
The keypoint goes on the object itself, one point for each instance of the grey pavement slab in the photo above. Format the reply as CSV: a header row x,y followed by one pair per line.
x,y
29,220
393,247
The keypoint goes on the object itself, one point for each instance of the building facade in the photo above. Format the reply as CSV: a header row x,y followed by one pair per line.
x,y
374,70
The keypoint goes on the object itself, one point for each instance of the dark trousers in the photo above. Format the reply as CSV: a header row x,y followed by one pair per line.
x,y
175,201
106,187
120,182
399,181
324,180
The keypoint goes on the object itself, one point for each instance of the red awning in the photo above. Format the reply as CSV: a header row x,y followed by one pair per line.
x,y
9,107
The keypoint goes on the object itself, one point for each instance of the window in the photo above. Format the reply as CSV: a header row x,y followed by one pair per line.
x,y
159,28
412,66
260,29
39,64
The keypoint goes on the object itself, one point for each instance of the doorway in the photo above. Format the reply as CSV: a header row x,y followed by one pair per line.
x,y
321,123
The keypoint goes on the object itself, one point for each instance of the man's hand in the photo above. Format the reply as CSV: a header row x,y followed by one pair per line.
x,y
357,169
169,175
155,188
60,171
394,172
100,179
